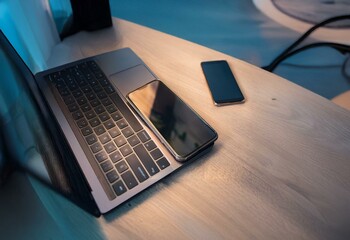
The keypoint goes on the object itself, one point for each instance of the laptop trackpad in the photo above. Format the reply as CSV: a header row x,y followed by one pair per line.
x,y
131,79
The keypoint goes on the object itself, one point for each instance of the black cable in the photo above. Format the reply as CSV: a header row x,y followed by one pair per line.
x,y
312,66
273,64
340,47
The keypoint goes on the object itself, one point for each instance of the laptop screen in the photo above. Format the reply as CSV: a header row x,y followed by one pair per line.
x,y
25,138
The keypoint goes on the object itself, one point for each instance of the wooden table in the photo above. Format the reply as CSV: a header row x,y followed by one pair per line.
x,y
279,170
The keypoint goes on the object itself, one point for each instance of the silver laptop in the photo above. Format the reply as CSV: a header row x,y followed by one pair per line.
x,y
92,147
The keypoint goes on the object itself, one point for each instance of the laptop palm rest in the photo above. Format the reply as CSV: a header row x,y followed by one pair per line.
x,y
131,79
125,70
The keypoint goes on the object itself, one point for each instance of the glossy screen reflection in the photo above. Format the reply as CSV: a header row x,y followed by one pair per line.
x,y
28,143
183,130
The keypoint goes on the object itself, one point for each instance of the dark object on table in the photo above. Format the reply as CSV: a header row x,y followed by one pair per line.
x,y
87,15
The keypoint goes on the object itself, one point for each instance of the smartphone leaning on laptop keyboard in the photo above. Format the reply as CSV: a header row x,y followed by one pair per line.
x,y
180,128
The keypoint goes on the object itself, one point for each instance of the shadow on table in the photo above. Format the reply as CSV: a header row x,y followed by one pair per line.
x,y
167,182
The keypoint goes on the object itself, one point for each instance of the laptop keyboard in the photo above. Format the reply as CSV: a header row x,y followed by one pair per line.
x,y
122,149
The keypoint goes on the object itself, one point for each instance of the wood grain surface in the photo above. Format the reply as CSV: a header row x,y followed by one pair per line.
x,y
279,170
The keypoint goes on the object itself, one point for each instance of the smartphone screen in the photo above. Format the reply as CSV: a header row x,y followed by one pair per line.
x,y
182,130
222,83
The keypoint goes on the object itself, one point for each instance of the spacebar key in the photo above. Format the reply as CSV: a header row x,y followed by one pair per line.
x,y
146,159
134,123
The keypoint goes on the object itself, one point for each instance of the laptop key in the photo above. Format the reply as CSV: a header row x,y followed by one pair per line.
x,y
143,135
111,108
86,107
104,82
63,91
82,82
120,141
137,168
94,122
109,124
77,115
86,131
110,147
122,124
68,99
97,89
146,159
86,89
106,102
89,76
101,95
90,96
96,147
60,84
156,154
119,188
133,141
163,163
114,132
106,166
98,74
127,132
81,101
67,77
91,139
104,116
116,156
150,145
95,102
101,156
72,86
116,116
90,114
99,109
126,150
77,94
129,179
112,176
109,89
93,82
121,166
99,130
73,107
82,123
105,138
54,76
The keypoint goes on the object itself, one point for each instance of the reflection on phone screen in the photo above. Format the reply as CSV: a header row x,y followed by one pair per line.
x,y
178,124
